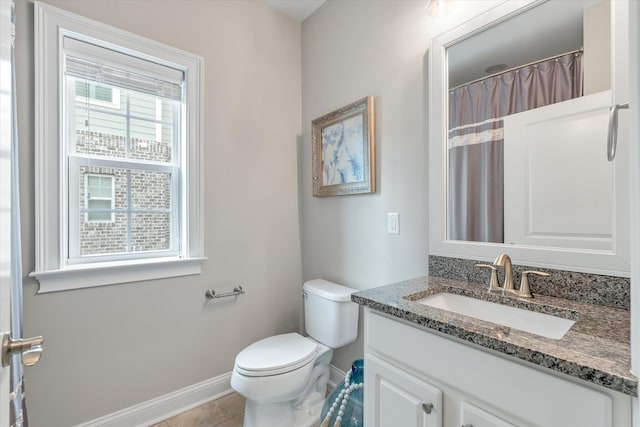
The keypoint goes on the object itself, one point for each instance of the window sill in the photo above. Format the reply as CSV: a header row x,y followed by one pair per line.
x,y
88,276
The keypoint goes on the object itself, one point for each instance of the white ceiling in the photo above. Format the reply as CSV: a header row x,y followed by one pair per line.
x,y
546,30
299,10
549,29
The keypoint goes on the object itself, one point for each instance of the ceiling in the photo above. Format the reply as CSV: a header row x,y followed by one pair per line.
x,y
546,30
299,10
549,29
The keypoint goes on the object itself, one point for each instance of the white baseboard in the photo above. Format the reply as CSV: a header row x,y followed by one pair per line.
x,y
336,376
163,407
155,410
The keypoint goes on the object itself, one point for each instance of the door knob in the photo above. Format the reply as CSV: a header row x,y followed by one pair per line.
x,y
30,348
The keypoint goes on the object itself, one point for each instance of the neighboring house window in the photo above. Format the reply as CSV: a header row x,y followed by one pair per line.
x,y
118,143
98,198
97,94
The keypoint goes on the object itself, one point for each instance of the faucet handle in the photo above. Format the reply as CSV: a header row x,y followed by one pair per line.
x,y
494,285
524,291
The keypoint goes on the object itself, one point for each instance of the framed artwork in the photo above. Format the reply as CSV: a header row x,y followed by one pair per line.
x,y
343,150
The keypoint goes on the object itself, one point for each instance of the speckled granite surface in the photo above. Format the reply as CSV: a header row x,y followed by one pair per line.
x,y
583,287
595,349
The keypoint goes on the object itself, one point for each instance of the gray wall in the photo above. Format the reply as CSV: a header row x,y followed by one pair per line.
x,y
351,49
111,347
373,48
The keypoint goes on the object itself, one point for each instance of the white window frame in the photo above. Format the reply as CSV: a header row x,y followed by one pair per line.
x,y
52,269
88,198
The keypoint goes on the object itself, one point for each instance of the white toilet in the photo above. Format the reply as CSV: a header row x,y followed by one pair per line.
x,y
284,377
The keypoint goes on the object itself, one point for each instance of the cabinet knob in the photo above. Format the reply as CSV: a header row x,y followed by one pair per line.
x,y
427,407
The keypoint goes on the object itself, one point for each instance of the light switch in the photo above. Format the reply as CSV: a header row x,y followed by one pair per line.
x,y
393,223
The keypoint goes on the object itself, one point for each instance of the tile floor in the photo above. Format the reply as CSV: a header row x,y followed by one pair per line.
x,y
228,411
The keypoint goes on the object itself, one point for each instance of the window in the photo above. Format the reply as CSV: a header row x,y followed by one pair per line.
x,y
98,198
137,140
97,94
118,141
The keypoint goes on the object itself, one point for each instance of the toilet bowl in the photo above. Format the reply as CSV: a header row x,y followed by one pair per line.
x,y
284,377
286,384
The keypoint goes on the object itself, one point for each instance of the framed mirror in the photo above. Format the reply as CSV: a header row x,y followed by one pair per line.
x,y
519,109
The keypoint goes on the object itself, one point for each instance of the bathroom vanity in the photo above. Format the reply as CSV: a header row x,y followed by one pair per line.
x,y
520,180
426,366
432,366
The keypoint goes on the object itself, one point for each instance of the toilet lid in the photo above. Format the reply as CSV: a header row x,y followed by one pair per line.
x,y
276,355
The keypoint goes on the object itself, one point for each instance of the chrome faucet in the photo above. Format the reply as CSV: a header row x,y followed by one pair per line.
x,y
503,260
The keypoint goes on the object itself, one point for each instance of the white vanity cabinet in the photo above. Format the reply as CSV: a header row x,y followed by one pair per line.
x,y
398,398
461,384
472,416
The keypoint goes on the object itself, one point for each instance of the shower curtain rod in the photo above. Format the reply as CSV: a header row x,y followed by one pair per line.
x,y
515,68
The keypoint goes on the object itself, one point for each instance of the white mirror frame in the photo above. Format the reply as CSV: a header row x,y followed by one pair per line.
x,y
614,262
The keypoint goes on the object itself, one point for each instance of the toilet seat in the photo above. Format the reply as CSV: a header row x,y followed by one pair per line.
x,y
276,355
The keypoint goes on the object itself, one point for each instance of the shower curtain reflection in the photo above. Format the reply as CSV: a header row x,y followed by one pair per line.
x,y
475,140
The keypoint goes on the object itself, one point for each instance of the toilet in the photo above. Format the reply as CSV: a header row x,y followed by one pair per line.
x,y
284,377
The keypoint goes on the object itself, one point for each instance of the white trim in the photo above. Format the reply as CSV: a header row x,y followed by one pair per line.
x,y
634,157
86,276
50,25
163,407
336,376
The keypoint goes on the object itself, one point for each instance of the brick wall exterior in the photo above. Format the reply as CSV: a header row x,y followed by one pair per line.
x,y
149,190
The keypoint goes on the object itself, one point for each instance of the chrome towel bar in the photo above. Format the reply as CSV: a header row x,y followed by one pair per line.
x,y
210,293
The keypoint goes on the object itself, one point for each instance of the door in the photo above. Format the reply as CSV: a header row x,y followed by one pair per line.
x,y
396,398
5,197
14,352
536,183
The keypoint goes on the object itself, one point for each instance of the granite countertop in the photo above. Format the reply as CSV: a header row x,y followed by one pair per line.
x,y
595,349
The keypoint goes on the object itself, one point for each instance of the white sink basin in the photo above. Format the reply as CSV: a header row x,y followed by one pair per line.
x,y
533,322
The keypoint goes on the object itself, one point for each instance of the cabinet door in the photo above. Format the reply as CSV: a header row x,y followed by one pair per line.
x,y
396,398
472,416
536,183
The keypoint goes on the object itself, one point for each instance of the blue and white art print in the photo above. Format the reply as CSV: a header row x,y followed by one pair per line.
x,y
343,150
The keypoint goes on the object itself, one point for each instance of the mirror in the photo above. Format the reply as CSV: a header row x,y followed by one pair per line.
x,y
519,108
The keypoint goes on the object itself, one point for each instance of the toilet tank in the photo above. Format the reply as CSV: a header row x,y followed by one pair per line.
x,y
330,315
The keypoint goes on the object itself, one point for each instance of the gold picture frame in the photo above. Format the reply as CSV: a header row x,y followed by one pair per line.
x,y
344,150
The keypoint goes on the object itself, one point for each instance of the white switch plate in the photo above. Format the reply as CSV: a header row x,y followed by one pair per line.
x,y
393,223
